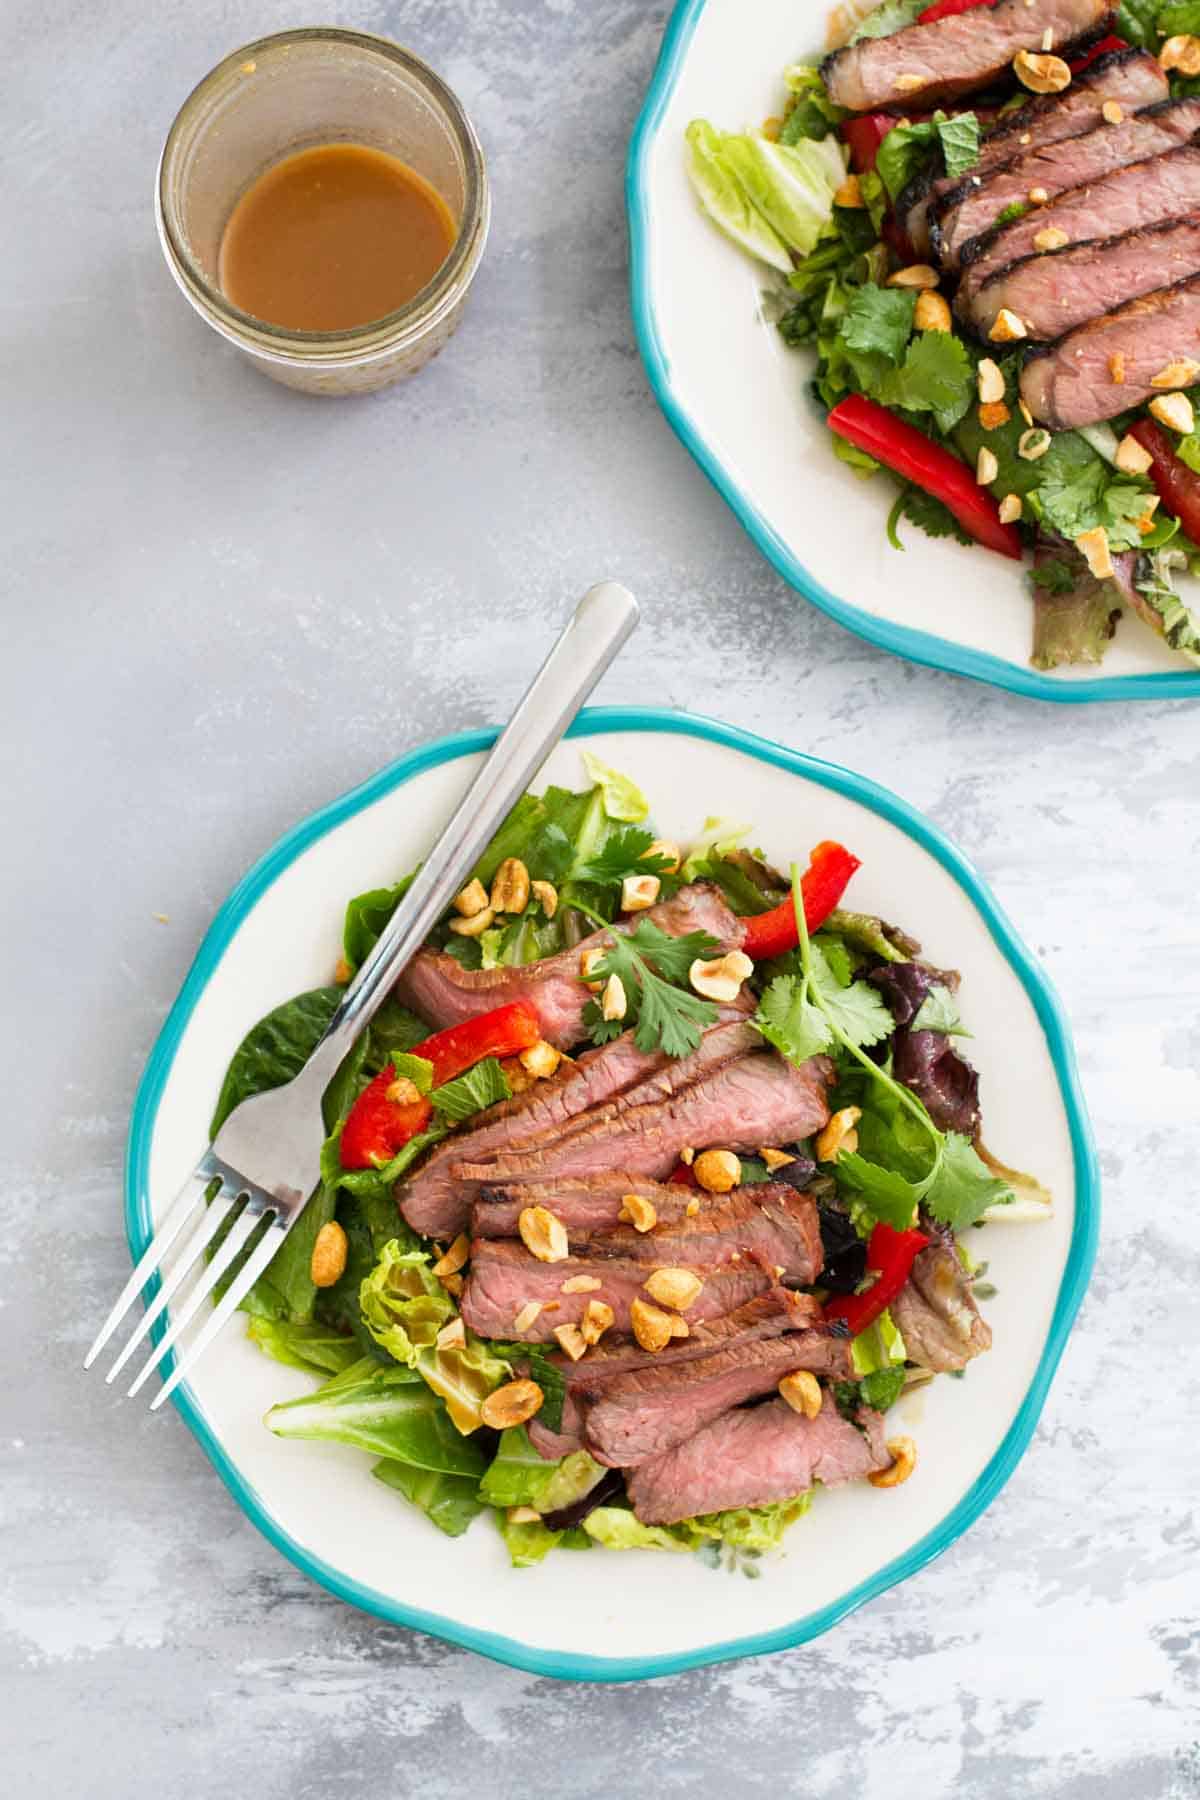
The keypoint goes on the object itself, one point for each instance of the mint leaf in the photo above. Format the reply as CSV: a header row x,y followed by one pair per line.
x,y
902,153
416,1069
484,1085
962,1188
790,1021
959,139
879,321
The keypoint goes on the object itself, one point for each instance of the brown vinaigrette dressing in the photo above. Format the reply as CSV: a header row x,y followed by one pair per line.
x,y
334,237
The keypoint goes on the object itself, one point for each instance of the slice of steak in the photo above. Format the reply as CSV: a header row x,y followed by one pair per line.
x,y
445,993
1131,78
756,1100
1054,293
768,1315
590,1204
614,1075
504,1278
936,1312
974,204
1145,193
956,55
770,1221
753,1456
554,1445
1071,383
647,1413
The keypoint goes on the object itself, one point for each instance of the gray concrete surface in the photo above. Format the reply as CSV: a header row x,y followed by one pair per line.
x,y
222,605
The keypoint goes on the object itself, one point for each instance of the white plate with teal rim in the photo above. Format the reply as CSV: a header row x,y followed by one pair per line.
x,y
607,1615
736,396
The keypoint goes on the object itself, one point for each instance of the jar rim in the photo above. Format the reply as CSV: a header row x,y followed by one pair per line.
x,y
375,334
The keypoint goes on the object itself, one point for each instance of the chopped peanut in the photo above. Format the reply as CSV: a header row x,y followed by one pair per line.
x,y
839,1134
849,194
581,1284
639,1212
587,963
1180,373
613,1003
1038,196
598,1316
776,1159
540,1060
475,926
670,853
994,414
343,972
931,313
546,895
1033,444
1112,112
510,889
802,1391
454,1258
1182,53
1007,327
472,900
572,1340
402,1091
1175,412
543,1235
1050,239
329,1252
986,466
651,1326
639,892
916,275
717,1171
527,1315
989,381
903,1453
1131,459
676,1288
1093,547
1041,74
1116,368
1010,509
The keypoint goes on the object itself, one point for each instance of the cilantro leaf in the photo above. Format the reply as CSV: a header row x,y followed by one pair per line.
x,y
624,853
888,1195
1016,209
879,321
1053,576
790,1021
598,1028
481,1086
857,1013
962,1187
939,1012
647,961
931,515
937,376
837,954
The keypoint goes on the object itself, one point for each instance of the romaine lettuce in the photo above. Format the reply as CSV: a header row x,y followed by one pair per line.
x,y
319,1349
448,1501
388,1412
720,192
754,1528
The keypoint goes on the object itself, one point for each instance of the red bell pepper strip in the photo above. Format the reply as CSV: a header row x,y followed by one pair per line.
x,y
918,459
380,1123
1103,48
947,9
682,1175
1178,485
822,884
863,136
890,1257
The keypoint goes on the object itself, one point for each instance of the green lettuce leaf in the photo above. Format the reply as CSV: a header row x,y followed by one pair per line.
x,y
792,185
448,1501
880,1346
388,1412
755,1528
275,1049
518,1476
366,916
891,16
812,114
404,1305
618,1529
720,192
623,801
482,1086
315,1348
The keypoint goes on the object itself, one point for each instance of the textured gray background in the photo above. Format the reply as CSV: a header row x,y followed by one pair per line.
x,y
222,605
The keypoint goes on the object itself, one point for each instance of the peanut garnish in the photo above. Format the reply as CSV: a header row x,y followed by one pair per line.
x,y
329,1252
676,1288
639,1212
511,1405
542,1234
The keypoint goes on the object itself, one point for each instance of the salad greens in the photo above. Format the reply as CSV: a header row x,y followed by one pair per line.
x,y
398,1374
834,242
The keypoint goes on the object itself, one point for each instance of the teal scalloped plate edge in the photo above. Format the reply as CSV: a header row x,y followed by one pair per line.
x,y
918,646
1081,1254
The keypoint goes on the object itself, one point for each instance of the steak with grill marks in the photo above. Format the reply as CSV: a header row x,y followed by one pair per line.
x,y
1146,193
445,993
1070,383
753,1456
1054,292
645,1414
956,55
936,1312
1129,77
972,207
503,1278
769,1220
756,1100
615,1075
590,1204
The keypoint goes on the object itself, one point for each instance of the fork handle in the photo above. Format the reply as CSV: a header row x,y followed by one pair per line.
x,y
600,624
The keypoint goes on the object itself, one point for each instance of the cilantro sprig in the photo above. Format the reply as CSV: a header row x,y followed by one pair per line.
x,y
649,963
806,1014
623,854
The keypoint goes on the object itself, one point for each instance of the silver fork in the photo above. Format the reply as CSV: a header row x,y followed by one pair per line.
x,y
265,1156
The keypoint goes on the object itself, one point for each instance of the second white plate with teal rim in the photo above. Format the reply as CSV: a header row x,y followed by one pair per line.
x,y
605,1615
736,396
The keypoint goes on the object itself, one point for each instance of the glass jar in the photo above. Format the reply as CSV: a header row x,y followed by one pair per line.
x,y
291,92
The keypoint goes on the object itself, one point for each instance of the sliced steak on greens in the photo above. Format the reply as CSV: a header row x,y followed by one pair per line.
x,y
1131,78
647,1413
445,993
1054,292
770,1221
1145,193
922,64
503,1279
591,1203
974,205
753,1456
1074,382
936,1312
756,1100
432,1200
766,1316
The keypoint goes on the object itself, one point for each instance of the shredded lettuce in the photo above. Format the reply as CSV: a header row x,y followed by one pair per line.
x,y
623,801
754,1529
771,198
404,1307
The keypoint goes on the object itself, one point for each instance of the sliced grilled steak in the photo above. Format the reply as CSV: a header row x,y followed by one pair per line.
x,y
756,1100
645,1414
1145,193
755,1455
956,55
768,1315
770,1221
554,1445
936,1313
590,1204
614,1075
504,1277
1071,383
1056,292
1130,77
973,206
445,993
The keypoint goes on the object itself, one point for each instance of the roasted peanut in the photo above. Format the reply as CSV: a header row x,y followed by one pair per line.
x,y
511,1405
676,1288
510,889
329,1252
717,1171
542,1234
802,1391
839,1134
903,1453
